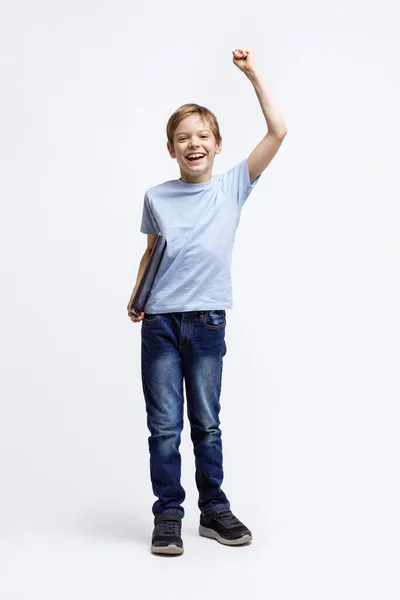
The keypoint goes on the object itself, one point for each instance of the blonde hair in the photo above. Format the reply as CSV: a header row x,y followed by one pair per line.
x,y
191,109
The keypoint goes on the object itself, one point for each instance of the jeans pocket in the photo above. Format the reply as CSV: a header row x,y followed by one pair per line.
x,y
215,319
150,318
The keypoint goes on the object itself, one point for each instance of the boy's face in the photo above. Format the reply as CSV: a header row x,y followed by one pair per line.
x,y
194,136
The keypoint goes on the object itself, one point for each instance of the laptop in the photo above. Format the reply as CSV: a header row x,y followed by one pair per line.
x,y
146,283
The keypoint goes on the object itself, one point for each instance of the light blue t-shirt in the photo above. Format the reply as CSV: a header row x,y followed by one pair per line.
x,y
199,222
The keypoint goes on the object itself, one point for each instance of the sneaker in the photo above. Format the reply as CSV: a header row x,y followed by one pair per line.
x,y
166,538
223,526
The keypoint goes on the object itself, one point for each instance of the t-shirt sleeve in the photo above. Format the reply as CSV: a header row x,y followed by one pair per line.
x,y
236,182
149,223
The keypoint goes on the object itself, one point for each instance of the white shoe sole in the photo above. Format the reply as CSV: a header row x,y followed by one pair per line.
x,y
170,549
210,533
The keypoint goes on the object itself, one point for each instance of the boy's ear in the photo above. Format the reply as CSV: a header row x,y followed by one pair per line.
x,y
171,150
218,147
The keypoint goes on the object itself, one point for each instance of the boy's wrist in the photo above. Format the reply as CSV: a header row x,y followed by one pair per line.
x,y
253,76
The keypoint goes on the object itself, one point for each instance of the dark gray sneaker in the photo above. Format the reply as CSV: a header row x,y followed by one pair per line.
x,y
166,538
223,526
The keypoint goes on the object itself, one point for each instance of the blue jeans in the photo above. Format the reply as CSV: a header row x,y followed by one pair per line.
x,y
187,346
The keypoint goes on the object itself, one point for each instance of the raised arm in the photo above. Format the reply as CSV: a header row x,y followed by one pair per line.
x,y
265,151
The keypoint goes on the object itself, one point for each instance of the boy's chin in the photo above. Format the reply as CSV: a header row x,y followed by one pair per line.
x,y
197,170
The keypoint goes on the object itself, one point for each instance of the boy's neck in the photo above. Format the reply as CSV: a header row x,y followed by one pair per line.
x,y
204,178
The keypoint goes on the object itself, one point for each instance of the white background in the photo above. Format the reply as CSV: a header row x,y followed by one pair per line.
x,y
310,398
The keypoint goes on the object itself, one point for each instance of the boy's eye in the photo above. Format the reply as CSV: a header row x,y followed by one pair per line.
x,y
183,139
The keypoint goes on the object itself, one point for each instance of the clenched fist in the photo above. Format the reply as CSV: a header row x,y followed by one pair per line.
x,y
243,58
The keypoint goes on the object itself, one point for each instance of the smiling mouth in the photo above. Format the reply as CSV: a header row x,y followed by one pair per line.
x,y
194,160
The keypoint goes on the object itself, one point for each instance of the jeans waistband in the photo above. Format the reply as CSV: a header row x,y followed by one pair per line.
x,y
199,313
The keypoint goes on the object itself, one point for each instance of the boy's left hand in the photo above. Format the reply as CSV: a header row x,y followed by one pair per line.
x,y
243,58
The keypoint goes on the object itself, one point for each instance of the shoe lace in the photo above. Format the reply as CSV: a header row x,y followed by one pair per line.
x,y
227,518
169,527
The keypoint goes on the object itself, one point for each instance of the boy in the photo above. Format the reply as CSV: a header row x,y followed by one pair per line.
x,y
183,326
